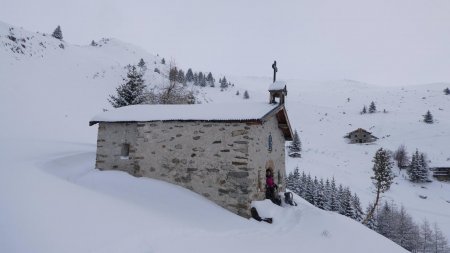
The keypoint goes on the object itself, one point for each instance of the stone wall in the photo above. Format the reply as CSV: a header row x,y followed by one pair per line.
x,y
225,162
111,137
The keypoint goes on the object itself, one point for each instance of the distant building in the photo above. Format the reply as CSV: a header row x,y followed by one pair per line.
x,y
360,136
441,173
221,151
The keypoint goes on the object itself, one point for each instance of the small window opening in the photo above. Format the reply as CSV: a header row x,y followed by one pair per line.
x,y
125,152
270,143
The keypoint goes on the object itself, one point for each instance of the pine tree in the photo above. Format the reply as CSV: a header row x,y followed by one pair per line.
x,y
364,110
57,33
201,79
290,181
189,75
424,171
334,202
309,191
315,188
296,146
93,43
180,77
196,80
296,178
340,199
131,92
237,93
302,185
210,80
246,96
142,65
173,74
415,170
358,213
327,193
223,83
428,118
382,178
320,196
372,108
447,91
163,61
347,206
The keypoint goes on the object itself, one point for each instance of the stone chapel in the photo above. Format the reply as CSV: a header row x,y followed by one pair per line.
x,y
221,151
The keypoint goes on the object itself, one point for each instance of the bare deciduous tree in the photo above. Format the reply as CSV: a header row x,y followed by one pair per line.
x,y
401,157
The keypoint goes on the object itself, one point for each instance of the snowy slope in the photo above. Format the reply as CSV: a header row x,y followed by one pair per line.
x,y
58,90
52,199
322,114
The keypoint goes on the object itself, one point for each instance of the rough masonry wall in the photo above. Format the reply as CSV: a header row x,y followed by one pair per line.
x,y
225,162
111,137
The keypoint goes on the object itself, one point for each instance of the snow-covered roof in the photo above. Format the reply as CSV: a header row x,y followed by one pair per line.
x,y
360,130
277,85
202,112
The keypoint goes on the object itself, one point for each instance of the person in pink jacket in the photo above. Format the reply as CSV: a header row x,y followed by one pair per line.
x,y
270,185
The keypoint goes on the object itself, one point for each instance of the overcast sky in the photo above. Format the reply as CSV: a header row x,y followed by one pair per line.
x,y
379,41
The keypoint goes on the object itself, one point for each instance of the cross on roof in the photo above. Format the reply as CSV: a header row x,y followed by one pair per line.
x,y
275,70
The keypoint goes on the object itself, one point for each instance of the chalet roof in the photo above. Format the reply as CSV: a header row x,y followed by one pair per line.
x,y
360,130
277,85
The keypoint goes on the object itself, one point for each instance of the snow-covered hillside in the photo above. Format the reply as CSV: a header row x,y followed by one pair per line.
x,y
53,200
49,89
322,114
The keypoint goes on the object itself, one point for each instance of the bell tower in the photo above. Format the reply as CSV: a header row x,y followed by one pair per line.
x,y
278,88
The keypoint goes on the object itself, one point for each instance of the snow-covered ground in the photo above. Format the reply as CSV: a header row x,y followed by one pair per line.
x,y
53,200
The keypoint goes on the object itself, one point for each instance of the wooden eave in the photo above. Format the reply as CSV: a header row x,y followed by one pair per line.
x,y
283,121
